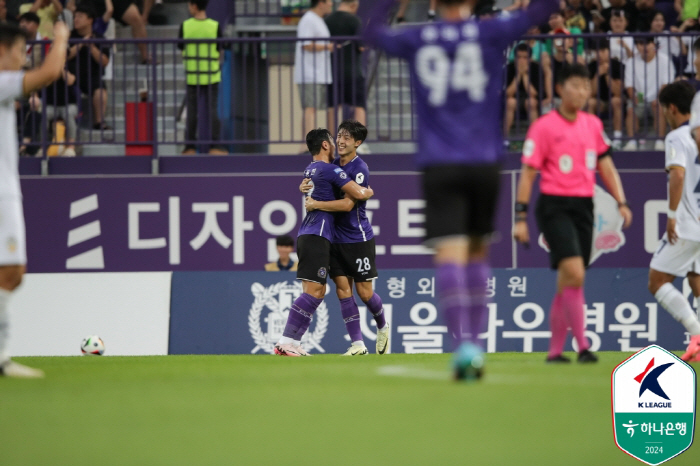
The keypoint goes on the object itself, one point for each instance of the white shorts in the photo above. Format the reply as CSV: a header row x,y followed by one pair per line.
x,y
12,237
677,259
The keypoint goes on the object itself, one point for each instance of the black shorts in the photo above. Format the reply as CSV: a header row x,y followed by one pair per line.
x,y
314,258
567,225
120,7
348,92
355,260
460,200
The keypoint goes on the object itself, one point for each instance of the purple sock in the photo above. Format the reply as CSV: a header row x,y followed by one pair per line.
x,y
377,309
351,316
300,315
477,274
450,281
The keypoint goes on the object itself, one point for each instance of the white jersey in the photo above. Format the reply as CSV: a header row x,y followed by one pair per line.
x,y
695,112
11,85
681,151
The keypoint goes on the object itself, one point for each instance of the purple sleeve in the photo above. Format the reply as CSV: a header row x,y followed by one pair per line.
x,y
379,35
338,177
510,28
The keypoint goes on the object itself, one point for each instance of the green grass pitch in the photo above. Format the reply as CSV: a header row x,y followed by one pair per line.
x,y
324,410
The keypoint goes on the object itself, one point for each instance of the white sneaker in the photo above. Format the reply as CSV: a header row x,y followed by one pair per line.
x,y
20,371
616,144
631,145
68,152
383,339
301,350
356,350
659,145
363,149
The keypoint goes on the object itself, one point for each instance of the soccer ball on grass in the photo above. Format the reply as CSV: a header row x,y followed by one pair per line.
x,y
93,345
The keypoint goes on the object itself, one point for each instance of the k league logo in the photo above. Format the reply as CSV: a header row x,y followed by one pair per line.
x,y
653,400
277,299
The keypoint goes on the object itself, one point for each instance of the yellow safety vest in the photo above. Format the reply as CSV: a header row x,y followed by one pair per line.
x,y
201,59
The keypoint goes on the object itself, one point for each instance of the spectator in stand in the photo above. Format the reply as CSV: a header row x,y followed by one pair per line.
x,y
30,22
536,46
312,62
562,53
687,9
670,46
349,79
695,80
691,26
202,67
621,48
606,87
127,13
558,26
573,18
87,61
645,75
401,13
285,247
522,88
61,105
48,12
646,10
630,15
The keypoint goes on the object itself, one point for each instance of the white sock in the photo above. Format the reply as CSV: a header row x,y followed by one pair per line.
x,y
285,341
4,324
358,343
617,134
673,301
297,343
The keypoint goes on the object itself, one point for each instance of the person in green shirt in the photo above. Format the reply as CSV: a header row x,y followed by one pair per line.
x,y
203,74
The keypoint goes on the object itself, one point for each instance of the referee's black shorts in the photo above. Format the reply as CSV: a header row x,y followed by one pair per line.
x,y
567,224
460,200
314,258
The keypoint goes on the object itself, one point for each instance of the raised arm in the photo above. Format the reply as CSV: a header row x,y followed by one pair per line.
x,y
611,180
393,41
55,60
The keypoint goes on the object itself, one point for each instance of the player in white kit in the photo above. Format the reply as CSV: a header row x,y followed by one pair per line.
x,y
678,254
15,83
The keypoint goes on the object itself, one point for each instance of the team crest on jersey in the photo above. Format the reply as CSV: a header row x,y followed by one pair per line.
x,y
359,178
607,226
566,164
322,272
276,300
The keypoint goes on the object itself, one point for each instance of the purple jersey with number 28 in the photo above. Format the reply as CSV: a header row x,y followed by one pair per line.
x,y
457,74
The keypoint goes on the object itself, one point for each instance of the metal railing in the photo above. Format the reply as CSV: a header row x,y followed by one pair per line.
x,y
260,106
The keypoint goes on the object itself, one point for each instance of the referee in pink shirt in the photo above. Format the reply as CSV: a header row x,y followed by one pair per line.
x,y
567,145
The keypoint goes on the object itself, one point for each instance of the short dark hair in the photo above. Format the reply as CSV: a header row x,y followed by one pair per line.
x,y
285,240
11,33
644,40
357,130
315,139
316,2
87,9
31,17
680,94
523,47
200,4
574,70
600,44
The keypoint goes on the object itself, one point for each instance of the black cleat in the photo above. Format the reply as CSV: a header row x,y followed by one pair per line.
x,y
560,359
586,356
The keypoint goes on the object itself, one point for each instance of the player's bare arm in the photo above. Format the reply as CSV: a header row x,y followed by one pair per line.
x,y
611,179
528,175
340,205
358,192
676,178
51,69
306,185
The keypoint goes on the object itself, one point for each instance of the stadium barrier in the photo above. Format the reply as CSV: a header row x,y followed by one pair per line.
x,y
245,313
259,105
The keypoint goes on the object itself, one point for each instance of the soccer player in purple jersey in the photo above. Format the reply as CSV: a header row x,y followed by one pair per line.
x,y
314,239
353,251
456,68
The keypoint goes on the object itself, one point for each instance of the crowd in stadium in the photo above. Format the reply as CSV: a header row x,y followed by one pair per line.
x,y
628,69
